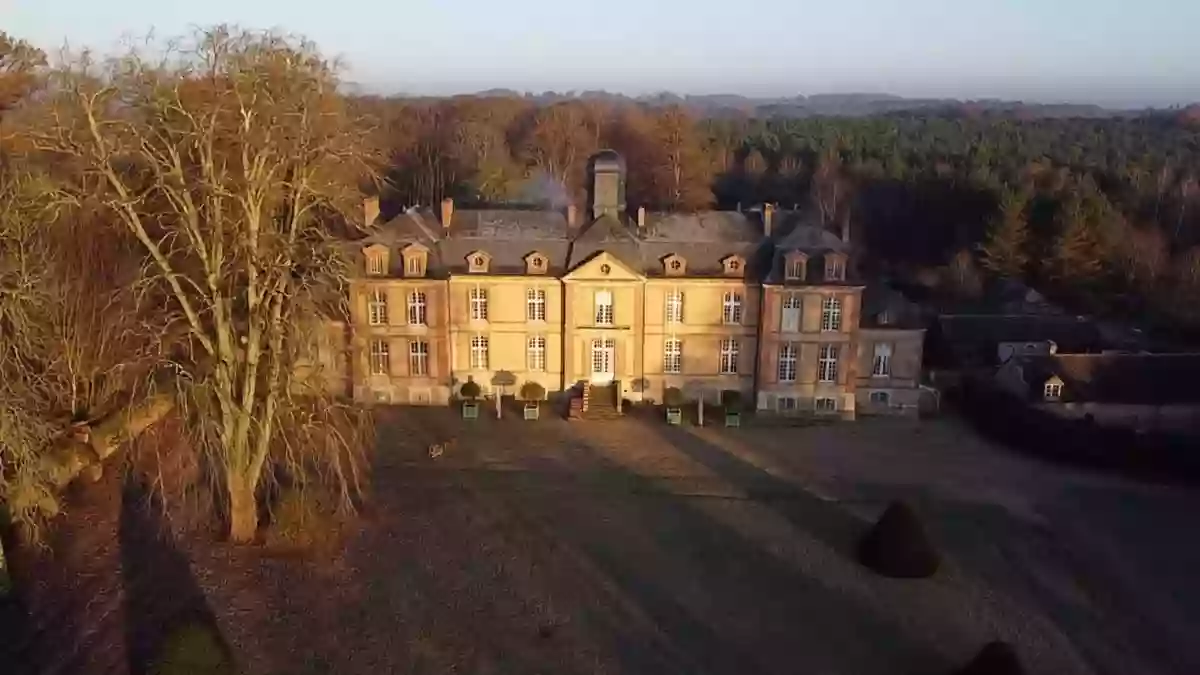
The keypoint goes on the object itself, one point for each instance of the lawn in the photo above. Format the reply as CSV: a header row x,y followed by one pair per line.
x,y
634,547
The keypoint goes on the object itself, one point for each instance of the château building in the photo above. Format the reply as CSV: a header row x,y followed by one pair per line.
x,y
764,302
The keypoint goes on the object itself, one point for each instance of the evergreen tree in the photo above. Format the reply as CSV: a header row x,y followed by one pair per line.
x,y
1076,254
1005,250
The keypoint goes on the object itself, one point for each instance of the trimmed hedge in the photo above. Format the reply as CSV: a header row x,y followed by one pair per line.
x,y
470,390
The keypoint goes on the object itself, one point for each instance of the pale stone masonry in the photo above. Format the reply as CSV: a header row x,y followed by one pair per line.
x,y
764,302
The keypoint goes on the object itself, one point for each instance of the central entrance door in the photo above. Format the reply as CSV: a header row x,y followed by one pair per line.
x,y
603,357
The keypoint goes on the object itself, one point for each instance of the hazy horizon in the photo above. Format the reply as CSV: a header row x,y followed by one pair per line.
x,y
1073,51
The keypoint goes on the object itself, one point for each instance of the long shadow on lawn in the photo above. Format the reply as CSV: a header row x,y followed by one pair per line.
x,y
718,596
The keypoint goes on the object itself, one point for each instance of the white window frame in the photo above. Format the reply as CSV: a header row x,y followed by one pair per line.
x,y
881,360
786,404
880,398
412,265
418,358
835,269
831,314
380,359
788,362
535,304
674,306
730,349
605,314
377,307
820,405
731,308
1052,391
827,363
477,297
376,264
791,314
535,354
673,356
795,269
480,357
418,314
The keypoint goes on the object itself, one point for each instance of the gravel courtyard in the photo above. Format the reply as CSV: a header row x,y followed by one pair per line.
x,y
634,547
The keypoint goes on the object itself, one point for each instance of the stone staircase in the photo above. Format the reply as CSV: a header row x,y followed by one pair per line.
x,y
600,402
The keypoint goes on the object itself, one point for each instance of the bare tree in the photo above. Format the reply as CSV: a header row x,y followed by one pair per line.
x,y
231,160
830,189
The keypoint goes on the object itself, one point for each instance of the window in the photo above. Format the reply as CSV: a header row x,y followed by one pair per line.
x,y
412,265
1053,391
881,364
674,266
827,364
881,398
479,352
604,308
733,265
479,304
673,356
729,357
785,404
787,363
478,262
835,268
731,308
831,314
535,264
380,358
376,264
416,308
795,268
377,309
535,304
825,404
790,321
675,307
418,358
536,354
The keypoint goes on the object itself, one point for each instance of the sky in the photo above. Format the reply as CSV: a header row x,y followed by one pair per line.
x,y
1126,53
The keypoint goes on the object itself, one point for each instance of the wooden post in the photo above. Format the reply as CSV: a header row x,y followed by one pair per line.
x,y
700,410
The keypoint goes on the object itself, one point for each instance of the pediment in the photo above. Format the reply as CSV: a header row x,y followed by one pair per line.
x,y
603,266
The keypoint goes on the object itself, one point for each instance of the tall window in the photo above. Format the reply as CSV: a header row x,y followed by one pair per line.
x,y
835,269
479,304
831,314
1053,391
380,358
827,363
479,352
675,307
825,404
535,304
418,358
790,321
412,266
536,354
787,362
377,309
673,356
375,264
416,308
604,308
795,269
731,308
729,357
881,364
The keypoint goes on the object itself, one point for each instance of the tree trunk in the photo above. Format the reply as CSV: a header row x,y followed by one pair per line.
x,y
243,509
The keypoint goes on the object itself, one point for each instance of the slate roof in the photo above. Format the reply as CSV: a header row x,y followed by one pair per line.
x,y
801,231
1070,333
1139,379
885,307
507,236
409,227
610,234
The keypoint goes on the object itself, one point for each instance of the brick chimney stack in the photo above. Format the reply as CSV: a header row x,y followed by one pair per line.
x,y
846,228
641,217
768,216
370,210
447,212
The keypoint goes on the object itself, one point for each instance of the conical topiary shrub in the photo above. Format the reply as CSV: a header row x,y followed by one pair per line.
x,y
897,545
996,658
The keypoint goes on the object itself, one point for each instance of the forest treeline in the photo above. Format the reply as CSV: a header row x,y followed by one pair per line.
x,y
1104,213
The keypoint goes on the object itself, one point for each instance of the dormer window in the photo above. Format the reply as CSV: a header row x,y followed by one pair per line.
x,y
835,267
416,260
734,265
795,266
1053,389
674,266
376,257
535,263
478,262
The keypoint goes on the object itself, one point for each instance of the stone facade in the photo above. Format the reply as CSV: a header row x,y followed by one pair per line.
x,y
763,302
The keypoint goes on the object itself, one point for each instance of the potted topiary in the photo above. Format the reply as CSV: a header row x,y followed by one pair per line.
x,y
731,399
532,393
673,400
470,392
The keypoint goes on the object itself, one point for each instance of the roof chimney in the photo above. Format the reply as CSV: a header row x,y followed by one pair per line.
x,y
846,228
641,217
606,171
572,215
447,212
768,215
370,210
